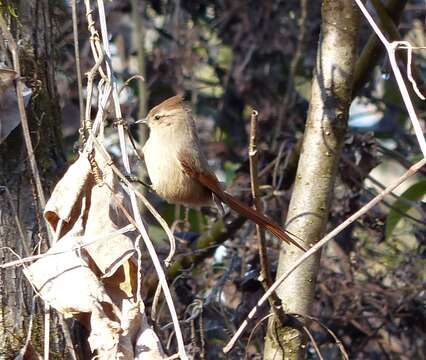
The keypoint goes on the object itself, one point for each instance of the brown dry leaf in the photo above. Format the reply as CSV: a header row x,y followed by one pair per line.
x,y
67,199
91,209
65,281
122,289
104,334
9,112
130,322
147,344
87,270
7,76
105,215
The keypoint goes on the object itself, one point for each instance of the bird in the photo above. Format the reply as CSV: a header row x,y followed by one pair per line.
x,y
178,168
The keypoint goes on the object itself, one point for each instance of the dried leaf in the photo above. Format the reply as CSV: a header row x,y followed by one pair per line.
x,y
130,322
147,345
67,198
104,335
106,215
88,269
9,112
65,281
91,209
6,78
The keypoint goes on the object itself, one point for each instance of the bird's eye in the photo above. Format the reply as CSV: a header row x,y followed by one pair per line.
x,y
157,117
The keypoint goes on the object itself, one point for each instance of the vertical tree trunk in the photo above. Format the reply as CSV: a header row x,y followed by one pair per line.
x,y
325,129
37,67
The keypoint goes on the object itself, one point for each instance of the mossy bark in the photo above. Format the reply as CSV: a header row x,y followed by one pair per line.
x,y
323,138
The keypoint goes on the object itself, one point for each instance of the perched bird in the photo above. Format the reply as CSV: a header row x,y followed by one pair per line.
x,y
178,168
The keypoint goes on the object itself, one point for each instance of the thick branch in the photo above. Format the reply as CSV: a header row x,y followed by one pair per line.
x,y
322,143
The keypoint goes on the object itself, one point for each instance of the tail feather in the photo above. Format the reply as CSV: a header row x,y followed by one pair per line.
x,y
258,218
210,181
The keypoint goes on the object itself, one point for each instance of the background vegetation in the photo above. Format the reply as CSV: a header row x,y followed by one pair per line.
x,y
229,57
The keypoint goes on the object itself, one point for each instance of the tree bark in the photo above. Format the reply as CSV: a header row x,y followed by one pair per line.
x,y
324,133
19,206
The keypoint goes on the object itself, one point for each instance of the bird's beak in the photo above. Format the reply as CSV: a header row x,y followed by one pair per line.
x,y
142,121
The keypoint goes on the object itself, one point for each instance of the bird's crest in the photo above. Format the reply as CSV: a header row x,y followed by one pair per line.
x,y
168,104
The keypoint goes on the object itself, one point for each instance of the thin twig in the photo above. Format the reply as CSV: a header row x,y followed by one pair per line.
x,y
155,301
391,47
260,232
414,169
254,330
103,237
127,82
313,342
265,280
139,277
46,342
332,334
30,328
363,174
135,209
411,204
406,45
95,43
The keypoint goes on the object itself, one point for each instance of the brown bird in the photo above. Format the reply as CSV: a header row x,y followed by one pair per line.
x,y
178,168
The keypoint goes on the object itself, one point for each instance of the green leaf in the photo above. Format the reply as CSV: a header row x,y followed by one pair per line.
x,y
12,11
413,193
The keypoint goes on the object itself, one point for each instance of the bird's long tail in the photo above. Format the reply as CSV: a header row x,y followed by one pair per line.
x,y
210,181
258,218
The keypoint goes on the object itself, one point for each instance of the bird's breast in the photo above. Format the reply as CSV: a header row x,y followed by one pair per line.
x,y
168,177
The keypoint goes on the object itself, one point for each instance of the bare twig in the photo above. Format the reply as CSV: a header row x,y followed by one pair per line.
x,y
127,82
414,169
406,45
46,331
333,335
95,43
139,277
253,157
266,281
254,330
155,301
314,343
30,328
391,47
135,209
103,237
381,186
